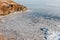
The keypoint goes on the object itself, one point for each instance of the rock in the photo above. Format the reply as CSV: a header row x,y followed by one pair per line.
x,y
7,7
4,10
2,37
5,0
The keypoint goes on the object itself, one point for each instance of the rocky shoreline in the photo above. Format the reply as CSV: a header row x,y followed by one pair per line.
x,y
10,7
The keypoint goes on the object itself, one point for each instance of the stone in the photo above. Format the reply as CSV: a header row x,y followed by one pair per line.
x,y
9,6
2,37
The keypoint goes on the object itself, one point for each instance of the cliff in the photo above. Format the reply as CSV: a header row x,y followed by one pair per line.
x,y
9,6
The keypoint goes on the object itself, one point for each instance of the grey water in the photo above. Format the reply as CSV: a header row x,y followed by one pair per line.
x,y
48,9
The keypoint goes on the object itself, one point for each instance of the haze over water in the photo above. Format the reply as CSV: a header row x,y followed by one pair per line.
x,y
50,7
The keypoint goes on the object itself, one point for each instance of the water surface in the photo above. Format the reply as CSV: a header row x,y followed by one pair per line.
x,y
45,8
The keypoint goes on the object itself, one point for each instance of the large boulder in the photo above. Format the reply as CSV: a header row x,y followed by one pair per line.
x,y
8,7
4,10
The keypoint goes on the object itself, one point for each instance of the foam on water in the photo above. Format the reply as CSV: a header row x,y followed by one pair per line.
x,y
51,35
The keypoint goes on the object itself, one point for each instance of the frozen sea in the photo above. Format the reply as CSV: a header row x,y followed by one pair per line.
x,y
40,22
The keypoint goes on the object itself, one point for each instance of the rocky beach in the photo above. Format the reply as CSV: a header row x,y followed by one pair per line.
x,y
33,24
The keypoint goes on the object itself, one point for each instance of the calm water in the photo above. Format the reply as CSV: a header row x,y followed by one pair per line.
x,y
44,8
